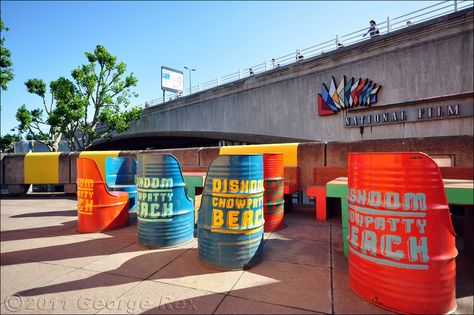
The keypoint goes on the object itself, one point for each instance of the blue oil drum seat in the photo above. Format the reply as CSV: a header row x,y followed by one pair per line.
x,y
120,176
230,219
165,215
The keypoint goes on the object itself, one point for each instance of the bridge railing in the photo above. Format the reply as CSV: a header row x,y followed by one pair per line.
x,y
385,27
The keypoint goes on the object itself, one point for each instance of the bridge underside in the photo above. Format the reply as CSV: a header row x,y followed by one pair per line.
x,y
184,139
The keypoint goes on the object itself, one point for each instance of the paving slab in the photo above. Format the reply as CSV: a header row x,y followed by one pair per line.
x,y
128,234
336,232
465,305
79,291
15,235
20,276
51,265
38,242
346,301
66,250
302,215
151,297
235,305
464,285
318,231
135,261
266,235
188,271
36,207
36,225
287,284
338,258
280,248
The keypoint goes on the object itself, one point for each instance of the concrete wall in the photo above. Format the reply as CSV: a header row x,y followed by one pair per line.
x,y
459,148
309,156
2,171
13,167
431,60
206,155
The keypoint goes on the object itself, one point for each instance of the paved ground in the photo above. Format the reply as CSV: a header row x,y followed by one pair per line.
x,y
47,267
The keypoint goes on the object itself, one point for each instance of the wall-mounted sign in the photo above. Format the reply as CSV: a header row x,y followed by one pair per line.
x,y
348,94
421,113
171,79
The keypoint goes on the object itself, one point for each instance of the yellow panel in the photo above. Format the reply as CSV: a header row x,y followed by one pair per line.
x,y
99,158
41,168
289,150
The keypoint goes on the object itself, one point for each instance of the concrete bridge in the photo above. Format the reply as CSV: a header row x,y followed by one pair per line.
x,y
425,72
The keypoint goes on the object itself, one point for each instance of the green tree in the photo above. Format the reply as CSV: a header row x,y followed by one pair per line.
x,y
6,69
7,142
94,104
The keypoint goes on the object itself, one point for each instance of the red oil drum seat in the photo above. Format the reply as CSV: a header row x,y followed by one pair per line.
x,y
98,208
274,185
401,240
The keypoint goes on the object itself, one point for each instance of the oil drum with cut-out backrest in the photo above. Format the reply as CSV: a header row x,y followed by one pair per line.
x,y
274,185
165,214
401,240
98,208
120,176
230,219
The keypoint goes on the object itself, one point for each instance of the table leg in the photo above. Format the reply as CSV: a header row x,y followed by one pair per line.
x,y
468,230
320,203
345,222
288,202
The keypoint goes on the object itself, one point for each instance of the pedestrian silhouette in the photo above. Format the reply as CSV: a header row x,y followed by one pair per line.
x,y
373,30
298,56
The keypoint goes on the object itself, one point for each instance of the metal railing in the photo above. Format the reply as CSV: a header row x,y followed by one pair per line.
x,y
406,20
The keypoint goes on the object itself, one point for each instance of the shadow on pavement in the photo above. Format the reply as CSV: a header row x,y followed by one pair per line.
x,y
64,213
66,228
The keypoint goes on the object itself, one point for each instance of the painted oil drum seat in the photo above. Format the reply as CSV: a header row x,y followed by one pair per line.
x,y
98,208
230,219
274,185
401,240
120,176
165,215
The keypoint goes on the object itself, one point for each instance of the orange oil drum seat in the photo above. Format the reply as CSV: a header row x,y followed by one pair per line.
x,y
98,208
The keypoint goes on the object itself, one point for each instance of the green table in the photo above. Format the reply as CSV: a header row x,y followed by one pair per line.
x,y
458,192
193,180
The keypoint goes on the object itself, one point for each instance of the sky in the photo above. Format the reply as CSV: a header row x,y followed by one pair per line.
x,y
48,39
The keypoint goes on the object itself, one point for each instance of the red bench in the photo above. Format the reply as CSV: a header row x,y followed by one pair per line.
x,y
322,175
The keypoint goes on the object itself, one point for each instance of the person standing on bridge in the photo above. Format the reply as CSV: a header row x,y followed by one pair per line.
x,y
299,56
373,30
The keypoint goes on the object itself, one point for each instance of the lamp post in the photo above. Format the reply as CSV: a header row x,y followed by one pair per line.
x,y
190,70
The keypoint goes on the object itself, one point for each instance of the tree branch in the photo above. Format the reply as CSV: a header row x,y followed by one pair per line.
x,y
96,103
44,104
51,105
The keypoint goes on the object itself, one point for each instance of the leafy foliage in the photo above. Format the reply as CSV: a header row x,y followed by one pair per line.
x,y
94,104
6,64
7,142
